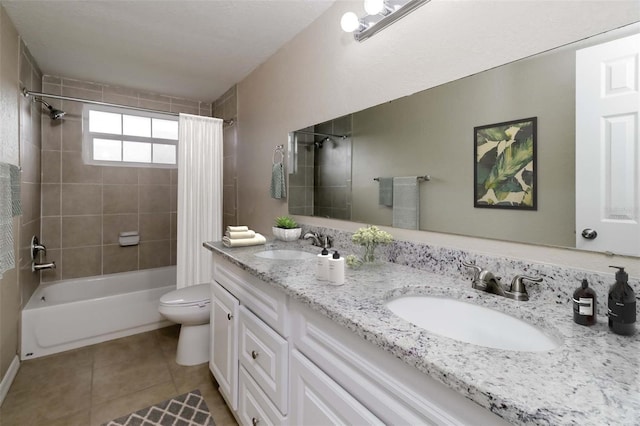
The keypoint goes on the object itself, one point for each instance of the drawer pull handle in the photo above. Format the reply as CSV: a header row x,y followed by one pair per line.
x,y
229,316
254,354
254,421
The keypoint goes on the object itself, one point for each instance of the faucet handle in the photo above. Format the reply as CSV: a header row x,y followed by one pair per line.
x,y
476,269
518,291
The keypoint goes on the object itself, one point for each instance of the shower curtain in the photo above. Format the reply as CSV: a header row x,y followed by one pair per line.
x,y
199,196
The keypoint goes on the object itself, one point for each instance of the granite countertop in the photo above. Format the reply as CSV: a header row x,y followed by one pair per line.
x,y
593,378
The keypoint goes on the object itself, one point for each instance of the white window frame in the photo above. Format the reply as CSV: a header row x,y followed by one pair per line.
x,y
87,137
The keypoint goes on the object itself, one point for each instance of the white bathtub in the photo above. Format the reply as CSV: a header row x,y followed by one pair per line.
x,y
69,314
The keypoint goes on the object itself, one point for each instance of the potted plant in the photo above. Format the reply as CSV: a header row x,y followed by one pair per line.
x,y
286,229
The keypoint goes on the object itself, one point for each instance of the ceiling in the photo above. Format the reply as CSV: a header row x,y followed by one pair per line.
x,y
191,49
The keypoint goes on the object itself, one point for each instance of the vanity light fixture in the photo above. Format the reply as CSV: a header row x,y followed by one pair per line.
x,y
380,14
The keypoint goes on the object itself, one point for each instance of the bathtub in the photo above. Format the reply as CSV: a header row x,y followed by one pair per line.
x,y
69,314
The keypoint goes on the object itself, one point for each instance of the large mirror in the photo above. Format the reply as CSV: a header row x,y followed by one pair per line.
x,y
335,167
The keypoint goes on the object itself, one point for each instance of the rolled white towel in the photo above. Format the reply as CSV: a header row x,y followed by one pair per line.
x,y
243,242
235,235
237,228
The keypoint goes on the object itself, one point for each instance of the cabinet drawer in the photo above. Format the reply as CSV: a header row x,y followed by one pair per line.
x,y
268,303
254,407
264,354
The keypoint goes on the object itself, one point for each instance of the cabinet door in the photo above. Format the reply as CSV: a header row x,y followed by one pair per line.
x,y
223,362
317,400
265,356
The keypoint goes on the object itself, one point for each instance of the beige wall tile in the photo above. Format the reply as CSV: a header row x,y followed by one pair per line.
x,y
51,232
81,199
51,134
151,176
120,199
51,199
30,199
154,198
154,97
154,254
173,198
114,224
75,171
30,160
72,135
81,84
120,99
119,259
51,167
174,252
174,176
81,231
194,110
119,90
174,226
81,262
159,106
120,175
52,79
155,226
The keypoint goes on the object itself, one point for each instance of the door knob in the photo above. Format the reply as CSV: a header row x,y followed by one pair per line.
x,y
589,234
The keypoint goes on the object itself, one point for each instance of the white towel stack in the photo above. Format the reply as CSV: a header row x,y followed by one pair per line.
x,y
242,236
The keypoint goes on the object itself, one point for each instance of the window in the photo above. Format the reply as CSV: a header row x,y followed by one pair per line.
x,y
123,137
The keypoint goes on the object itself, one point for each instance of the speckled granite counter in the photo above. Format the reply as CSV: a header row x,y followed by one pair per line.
x,y
593,378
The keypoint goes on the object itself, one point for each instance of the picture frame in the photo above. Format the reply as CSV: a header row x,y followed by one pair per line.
x,y
504,158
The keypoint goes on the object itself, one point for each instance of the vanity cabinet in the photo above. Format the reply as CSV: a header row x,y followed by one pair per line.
x,y
280,362
249,346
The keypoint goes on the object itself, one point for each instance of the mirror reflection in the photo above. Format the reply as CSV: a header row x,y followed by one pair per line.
x,y
337,169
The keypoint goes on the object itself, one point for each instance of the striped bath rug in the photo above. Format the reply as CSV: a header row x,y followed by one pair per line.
x,y
188,409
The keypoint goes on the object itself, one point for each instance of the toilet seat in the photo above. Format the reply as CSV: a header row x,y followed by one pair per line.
x,y
196,295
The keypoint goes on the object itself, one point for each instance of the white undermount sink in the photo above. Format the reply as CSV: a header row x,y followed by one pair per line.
x,y
471,323
285,254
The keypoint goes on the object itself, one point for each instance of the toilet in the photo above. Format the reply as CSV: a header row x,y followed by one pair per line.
x,y
190,307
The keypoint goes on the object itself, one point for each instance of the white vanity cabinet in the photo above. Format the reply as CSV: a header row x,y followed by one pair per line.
x,y
249,346
280,362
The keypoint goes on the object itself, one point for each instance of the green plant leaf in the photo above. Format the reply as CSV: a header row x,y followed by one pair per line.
x,y
507,187
492,134
510,162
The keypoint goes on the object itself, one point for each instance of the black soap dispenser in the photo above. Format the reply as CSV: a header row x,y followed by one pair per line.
x,y
584,305
622,305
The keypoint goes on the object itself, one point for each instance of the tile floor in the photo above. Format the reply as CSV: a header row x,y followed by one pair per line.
x,y
95,384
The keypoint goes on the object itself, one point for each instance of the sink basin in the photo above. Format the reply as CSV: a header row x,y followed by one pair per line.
x,y
285,255
471,323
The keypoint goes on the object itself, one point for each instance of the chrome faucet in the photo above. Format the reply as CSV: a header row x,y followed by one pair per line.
x,y
318,240
486,281
40,266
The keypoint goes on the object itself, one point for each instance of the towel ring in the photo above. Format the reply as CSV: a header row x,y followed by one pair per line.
x,y
278,150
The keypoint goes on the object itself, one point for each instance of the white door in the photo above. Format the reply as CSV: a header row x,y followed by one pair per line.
x,y
223,361
607,147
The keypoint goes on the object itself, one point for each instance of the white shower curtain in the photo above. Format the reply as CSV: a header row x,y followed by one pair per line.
x,y
199,196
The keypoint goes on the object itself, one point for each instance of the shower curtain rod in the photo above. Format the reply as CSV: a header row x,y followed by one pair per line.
x,y
305,132
28,93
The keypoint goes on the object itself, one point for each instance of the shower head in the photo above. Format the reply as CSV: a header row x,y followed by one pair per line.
x,y
54,113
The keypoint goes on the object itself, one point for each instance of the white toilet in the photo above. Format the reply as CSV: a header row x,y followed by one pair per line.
x,y
191,307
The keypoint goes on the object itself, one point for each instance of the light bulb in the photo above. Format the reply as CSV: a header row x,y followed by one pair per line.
x,y
349,22
373,7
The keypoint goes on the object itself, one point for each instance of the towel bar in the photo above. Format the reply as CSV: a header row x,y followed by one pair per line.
x,y
420,178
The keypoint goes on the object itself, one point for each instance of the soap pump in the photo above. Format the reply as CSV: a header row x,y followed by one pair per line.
x,y
622,305
584,305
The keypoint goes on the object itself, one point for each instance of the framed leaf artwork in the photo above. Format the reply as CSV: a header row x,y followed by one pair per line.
x,y
505,165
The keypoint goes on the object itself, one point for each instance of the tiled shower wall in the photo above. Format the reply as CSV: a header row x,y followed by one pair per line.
x,y
85,207
332,164
19,145
301,179
226,107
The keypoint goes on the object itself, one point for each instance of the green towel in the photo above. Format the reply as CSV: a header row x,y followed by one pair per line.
x,y
278,189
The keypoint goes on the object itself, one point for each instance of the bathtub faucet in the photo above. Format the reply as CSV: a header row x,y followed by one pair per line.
x,y
40,266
